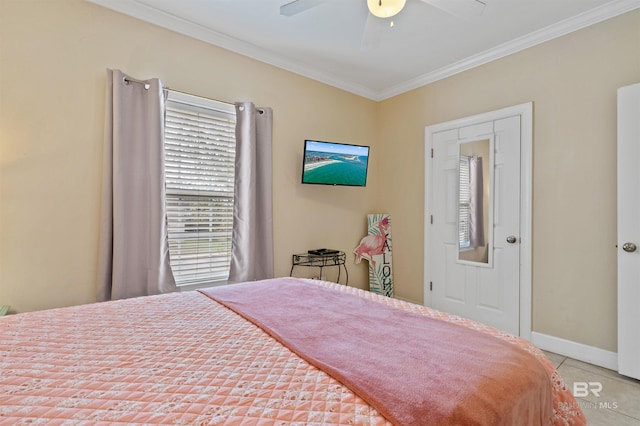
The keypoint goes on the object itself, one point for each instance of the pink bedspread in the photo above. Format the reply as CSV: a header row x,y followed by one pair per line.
x,y
181,358
414,370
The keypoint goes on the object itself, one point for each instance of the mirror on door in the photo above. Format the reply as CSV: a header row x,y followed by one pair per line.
x,y
475,221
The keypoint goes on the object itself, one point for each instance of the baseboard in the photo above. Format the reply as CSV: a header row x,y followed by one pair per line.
x,y
575,350
404,299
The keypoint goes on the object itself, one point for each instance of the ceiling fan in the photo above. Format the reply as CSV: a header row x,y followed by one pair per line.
x,y
466,9
380,10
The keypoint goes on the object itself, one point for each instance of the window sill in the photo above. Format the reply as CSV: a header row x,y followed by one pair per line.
x,y
189,287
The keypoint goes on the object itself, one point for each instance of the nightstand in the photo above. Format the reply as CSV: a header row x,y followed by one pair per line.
x,y
321,261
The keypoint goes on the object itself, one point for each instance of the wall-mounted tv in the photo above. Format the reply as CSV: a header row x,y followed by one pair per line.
x,y
330,163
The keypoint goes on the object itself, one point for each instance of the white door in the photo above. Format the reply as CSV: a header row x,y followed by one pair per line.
x,y
629,230
484,281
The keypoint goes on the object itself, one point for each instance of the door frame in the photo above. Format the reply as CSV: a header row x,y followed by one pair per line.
x,y
525,111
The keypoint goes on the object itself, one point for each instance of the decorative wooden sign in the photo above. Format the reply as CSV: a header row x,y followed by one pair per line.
x,y
376,248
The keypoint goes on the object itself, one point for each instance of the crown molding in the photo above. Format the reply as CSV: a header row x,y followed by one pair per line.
x,y
578,22
157,17
162,19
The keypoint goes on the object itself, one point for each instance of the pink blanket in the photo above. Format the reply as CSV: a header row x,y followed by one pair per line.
x,y
412,369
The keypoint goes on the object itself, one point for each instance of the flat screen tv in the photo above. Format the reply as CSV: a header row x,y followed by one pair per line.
x,y
330,163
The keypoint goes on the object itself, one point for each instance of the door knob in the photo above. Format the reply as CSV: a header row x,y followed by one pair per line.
x,y
629,247
511,239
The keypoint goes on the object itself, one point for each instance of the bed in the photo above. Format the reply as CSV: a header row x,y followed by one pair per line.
x,y
208,357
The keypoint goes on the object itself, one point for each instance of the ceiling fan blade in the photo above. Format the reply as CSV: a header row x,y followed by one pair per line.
x,y
372,33
465,9
298,6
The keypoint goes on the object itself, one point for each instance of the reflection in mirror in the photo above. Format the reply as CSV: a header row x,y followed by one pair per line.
x,y
474,192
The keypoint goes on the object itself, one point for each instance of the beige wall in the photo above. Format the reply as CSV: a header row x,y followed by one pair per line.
x,y
53,57
572,82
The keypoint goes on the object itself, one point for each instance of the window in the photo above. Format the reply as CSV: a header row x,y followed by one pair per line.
x,y
199,181
464,206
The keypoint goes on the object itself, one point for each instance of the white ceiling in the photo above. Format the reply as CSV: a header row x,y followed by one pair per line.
x,y
328,43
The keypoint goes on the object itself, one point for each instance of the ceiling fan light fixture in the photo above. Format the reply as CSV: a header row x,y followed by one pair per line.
x,y
385,8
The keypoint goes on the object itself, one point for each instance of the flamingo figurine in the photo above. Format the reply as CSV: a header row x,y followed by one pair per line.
x,y
373,245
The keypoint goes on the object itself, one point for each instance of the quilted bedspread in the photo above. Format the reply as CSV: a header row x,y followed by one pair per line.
x,y
182,358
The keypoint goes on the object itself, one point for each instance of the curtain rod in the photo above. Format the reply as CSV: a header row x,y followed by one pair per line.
x,y
133,80
128,80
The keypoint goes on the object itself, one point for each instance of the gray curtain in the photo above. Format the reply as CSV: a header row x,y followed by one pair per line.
x,y
476,202
134,251
252,241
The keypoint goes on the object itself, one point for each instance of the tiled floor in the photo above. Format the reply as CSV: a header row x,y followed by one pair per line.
x,y
618,403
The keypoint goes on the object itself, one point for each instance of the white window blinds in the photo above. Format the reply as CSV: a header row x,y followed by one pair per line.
x,y
199,167
464,208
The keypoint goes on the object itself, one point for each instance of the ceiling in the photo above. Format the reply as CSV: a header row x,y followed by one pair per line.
x,y
339,43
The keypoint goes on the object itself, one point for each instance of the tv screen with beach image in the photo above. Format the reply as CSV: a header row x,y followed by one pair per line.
x,y
329,163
